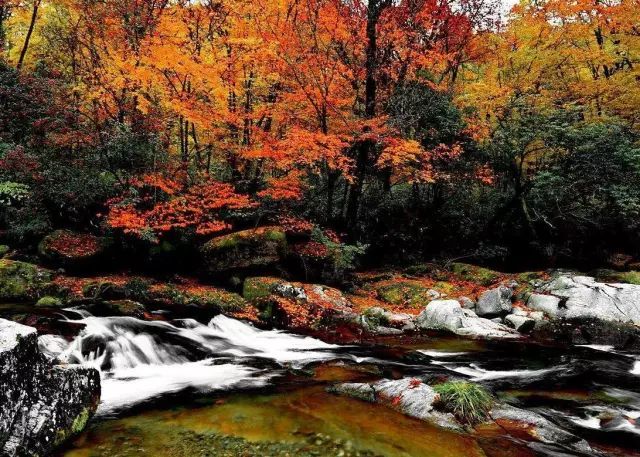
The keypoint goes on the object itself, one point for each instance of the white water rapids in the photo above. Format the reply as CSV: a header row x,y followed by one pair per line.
x,y
140,360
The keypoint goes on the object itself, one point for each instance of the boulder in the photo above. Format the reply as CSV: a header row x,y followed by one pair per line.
x,y
410,396
249,250
538,428
21,281
43,404
495,302
580,297
547,304
467,303
522,324
74,250
382,322
449,315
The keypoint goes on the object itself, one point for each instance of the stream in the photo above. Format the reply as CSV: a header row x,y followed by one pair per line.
x,y
168,387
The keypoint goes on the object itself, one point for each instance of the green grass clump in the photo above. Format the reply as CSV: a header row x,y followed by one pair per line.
x,y
469,402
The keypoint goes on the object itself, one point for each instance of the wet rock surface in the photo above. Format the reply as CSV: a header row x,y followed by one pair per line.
x,y
42,404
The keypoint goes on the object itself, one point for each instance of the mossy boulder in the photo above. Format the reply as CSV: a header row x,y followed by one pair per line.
x,y
49,302
4,250
21,281
257,249
475,274
258,287
73,250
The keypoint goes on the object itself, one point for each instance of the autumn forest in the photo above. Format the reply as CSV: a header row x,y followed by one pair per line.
x,y
418,128
202,200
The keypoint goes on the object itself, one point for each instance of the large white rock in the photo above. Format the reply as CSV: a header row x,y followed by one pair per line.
x,y
449,315
584,297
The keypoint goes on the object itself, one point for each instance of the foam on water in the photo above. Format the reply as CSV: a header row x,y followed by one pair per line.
x,y
477,373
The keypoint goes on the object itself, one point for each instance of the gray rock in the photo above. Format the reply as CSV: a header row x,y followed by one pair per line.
x,y
409,396
494,301
584,297
540,429
42,404
467,303
522,324
547,304
379,321
449,315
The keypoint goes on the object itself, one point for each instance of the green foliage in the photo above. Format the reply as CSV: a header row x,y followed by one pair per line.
x,y
469,402
12,193
255,288
137,289
49,302
343,257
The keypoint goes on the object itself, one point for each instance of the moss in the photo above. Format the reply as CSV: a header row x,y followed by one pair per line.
x,y
409,293
445,288
78,424
49,302
258,287
247,249
236,239
20,280
627,277
376,317
217,299
422,269
630,277
529,276
475,274
4,250
126,308
469,402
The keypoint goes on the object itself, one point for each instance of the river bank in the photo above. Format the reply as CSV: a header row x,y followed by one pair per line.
x,y
558,343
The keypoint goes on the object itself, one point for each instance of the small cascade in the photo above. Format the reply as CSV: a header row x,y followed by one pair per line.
x,y
140,360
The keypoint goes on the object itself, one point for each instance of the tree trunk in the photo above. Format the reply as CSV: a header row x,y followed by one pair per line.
x,y
27,39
